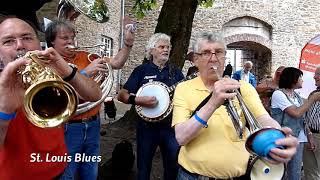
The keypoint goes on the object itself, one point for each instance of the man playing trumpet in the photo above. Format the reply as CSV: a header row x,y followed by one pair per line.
x,y
25,148
210,146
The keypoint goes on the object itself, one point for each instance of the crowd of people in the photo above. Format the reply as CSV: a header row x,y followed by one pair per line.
x,y
194,139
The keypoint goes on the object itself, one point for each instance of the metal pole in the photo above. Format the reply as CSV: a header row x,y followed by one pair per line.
x,y
121,42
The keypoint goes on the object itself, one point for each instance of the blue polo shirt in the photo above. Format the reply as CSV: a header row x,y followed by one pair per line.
x,y
150,72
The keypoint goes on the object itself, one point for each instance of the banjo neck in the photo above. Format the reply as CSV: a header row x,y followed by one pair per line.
x,y
191,76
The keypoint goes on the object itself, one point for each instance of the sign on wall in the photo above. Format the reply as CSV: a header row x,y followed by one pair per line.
x,y
309,60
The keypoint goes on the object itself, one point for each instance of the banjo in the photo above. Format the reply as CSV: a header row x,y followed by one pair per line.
x,y
163,93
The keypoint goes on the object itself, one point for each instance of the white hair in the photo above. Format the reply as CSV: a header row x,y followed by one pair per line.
x,y
210,37
154,39
248,62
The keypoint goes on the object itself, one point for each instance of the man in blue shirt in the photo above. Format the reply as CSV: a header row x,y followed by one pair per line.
x,y
150,135
245,74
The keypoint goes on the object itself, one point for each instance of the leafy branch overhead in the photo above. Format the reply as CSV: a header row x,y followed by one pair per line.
x,y
141,7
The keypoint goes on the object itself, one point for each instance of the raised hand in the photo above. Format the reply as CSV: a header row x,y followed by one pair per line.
x,y
222,90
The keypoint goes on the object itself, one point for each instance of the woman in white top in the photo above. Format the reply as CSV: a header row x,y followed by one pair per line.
x,y
288,108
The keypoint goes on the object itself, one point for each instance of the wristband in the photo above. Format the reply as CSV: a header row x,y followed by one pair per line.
x,y
7,117
201,121
73,73
84,73
132,99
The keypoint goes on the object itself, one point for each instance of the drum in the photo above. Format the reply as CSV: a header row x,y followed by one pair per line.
x,y
164,106
260,169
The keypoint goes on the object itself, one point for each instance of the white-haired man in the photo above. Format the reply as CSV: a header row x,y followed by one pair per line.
x,y
208,136
245,74
150,135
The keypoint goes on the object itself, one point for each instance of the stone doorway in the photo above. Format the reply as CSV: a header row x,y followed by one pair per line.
x,y
239,52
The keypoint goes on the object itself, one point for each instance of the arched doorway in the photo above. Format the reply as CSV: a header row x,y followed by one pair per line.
x,y
239,52
249,38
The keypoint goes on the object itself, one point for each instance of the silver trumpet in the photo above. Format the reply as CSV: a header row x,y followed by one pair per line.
x,y
257,132
259,143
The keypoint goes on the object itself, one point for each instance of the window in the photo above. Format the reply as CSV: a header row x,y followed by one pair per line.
x,y
106,50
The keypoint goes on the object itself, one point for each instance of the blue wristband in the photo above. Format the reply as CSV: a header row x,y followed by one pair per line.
x,y
84,73
7,117
204,123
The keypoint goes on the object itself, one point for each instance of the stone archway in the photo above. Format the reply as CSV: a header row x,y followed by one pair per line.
x,y
250,38
255,52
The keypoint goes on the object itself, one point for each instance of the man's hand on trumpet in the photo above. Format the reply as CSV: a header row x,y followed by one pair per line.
x,y
222,90
52,59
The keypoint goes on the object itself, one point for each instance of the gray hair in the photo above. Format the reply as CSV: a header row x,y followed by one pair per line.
x,y
248,62
154,39
210,37
53,29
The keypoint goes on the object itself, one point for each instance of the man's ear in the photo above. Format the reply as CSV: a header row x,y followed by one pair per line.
x,y
195,60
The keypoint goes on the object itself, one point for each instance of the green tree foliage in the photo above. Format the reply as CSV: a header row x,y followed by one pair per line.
x,y
142,6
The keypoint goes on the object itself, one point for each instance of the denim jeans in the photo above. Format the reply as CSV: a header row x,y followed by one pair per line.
x,y
182,175
311,160
294,165
149,137
82,138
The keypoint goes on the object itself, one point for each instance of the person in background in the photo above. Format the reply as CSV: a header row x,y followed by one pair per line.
x,y
288,108
208,137
245,74
311,152
26,150
193,68
82,132
267,86
227,71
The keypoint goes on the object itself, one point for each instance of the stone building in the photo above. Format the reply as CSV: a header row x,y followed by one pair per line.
x,y
269,33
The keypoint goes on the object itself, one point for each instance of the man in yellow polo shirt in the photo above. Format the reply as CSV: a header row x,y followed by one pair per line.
x,y
216,151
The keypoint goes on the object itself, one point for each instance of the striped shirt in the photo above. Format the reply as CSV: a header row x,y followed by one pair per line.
x,y
313,115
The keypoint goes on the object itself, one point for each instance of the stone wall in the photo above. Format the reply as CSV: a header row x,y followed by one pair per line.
x,y
291,23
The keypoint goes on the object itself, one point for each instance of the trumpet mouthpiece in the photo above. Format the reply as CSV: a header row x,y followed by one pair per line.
x,y
72,47
214,67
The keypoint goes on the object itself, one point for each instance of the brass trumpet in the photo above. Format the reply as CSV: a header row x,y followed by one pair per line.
x,y
48,100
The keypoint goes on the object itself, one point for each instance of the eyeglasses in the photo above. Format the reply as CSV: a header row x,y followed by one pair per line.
x,y
208,54
66,38
13,41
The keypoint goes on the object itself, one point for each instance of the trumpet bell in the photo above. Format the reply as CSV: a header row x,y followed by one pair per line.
x,y
48,103
94,9
263,140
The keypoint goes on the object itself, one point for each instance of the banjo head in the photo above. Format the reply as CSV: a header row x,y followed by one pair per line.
x,y
260,169
160,91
